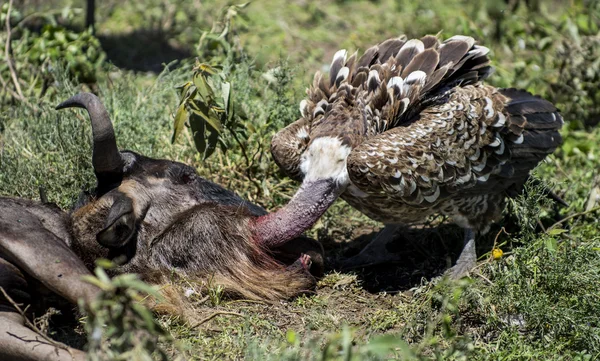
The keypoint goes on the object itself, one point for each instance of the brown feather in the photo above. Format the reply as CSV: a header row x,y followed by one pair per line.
x,y
452,52
368,57
430,41
408,52
389,49
426,61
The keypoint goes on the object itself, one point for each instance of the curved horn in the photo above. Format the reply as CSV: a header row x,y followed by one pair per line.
x,y
106,158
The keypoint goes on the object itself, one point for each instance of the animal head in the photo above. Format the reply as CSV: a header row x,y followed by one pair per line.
x,y
136,194
325,158
156,215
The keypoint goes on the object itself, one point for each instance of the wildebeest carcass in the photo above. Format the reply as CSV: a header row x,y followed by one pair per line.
x,y
154,217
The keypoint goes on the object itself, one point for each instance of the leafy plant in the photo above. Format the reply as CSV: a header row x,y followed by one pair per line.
x,y
118,325
205,105
219,45
33,55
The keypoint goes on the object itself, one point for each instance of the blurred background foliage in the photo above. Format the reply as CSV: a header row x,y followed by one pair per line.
x,y
209,82
268,51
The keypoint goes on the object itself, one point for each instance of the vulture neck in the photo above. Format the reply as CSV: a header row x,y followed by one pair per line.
x,y
303,210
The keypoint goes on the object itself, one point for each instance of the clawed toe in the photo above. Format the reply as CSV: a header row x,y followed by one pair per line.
x,y
305,261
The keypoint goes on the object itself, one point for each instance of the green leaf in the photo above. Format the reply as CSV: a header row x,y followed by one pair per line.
x,y
101,274
213,140
208,115
144,288
214,120
180,117
227,103
291,337
382,345
197,125
96,282
204,89
556,231
551,244
145,315
347,343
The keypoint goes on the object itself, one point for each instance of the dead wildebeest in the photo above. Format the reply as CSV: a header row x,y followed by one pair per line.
x,y
156,217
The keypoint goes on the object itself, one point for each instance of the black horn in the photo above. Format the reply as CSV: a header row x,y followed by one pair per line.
x,y
106,158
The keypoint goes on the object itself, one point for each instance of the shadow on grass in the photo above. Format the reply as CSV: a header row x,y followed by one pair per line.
x,y
142,50
420,254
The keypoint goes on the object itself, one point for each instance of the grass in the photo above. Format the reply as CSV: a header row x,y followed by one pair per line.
x,y
539,301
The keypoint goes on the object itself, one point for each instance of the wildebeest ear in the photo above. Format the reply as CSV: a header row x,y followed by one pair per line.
x,y
120,224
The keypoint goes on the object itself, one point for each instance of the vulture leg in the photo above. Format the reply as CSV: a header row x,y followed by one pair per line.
x,y
467,259
375,252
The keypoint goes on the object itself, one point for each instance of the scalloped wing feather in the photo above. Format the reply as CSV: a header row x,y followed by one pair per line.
x,y
482,140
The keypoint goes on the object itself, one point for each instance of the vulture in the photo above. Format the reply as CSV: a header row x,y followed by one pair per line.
x,y
409,130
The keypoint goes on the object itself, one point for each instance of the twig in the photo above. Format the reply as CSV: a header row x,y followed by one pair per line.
x,y
33,327
541,225
203,300
218,313
571,217
502,230
5,86
248,301
485,279
13,74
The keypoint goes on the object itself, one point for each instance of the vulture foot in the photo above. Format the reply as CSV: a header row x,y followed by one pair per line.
x,y
303,263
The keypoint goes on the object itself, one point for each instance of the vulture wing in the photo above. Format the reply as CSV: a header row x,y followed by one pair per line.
x,y
481,140
392,81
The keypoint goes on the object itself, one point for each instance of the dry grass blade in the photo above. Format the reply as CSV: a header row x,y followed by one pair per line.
x,y
571,217
218,313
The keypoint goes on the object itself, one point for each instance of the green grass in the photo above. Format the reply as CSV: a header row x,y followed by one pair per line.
x,y
540,301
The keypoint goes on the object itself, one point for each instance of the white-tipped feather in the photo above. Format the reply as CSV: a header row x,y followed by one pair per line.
x,y
468,39
484,177
432,198
519,140
373,74
395,81
489,108
405,101
496,142
479,51
302,133
320,108
417,76
414,79
342,75
500,149
500,122
478,167
414,43
340,54
464,179
303,105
